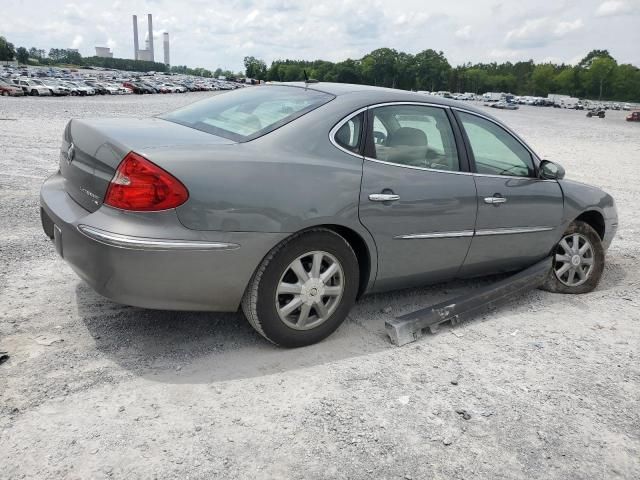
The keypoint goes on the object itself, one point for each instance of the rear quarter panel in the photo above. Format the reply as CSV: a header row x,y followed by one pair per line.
x,y
285,181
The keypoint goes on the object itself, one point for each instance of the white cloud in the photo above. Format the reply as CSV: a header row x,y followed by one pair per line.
x,y
564,28
618,7
464,33
77,41
539,32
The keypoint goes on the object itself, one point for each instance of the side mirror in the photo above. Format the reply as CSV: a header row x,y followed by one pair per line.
x,y
551,171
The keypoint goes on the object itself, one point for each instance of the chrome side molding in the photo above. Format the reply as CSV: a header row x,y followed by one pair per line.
x,y
509,231
143,243
422,236
471,233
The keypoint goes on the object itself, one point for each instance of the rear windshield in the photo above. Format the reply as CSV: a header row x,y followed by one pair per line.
x,y
248,113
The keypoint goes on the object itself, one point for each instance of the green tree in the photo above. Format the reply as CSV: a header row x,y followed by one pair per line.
x,y
542,79
592,55
7,50
255,68
601,72
567,81
22,55
626,83
431,70
380,67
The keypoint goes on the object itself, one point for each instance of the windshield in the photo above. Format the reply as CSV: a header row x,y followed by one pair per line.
x,y
249,113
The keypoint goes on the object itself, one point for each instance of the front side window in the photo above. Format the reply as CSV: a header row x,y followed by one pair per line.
x,y
495,151
416,136
250,112
349,135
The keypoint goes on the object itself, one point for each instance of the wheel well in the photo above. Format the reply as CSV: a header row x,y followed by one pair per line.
x,y
360,249
595,220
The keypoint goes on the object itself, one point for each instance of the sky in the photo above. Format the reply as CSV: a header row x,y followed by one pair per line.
x,y
211,34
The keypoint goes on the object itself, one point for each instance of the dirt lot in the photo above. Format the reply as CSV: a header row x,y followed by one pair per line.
x,y
95,390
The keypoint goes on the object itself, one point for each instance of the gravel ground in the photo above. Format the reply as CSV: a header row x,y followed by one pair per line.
x,y
546,387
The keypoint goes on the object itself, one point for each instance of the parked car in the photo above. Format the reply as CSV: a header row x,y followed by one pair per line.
x,y
596,112
291,201
634,117
31,86
79,88
6,90
504,105
138,87
55,87
626,107
97,87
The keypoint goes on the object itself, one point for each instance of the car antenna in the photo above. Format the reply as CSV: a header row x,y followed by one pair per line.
x,y
307,79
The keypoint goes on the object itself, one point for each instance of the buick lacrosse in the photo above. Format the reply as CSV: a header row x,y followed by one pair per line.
x,y
290,201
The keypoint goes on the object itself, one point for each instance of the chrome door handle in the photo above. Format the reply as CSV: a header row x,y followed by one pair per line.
x,y
383,197
494,200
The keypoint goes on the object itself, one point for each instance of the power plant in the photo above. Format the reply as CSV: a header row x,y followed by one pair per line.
x,y
165,45
148,52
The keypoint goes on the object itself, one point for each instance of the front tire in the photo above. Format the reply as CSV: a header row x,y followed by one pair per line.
x,y
303,289
578,261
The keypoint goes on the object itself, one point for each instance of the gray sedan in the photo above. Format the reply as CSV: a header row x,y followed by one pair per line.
x,y
290,201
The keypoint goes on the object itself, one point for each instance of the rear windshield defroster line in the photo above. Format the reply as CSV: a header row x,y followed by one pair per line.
x,y
249,113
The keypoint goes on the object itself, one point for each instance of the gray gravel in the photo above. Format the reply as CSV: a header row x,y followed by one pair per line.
x,y
546,387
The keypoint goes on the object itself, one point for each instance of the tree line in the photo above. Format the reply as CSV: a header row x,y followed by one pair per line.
x,y
597,76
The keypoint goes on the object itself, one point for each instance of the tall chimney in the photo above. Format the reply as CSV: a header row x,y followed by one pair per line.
x,y
151,36
165,43
135,37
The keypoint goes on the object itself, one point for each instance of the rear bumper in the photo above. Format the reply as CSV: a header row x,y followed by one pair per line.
x,y
150,260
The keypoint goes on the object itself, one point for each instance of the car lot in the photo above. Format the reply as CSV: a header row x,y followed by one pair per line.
x,y
56,81
93,389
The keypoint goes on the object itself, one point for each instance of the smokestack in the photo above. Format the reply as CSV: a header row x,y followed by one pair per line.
x,y
150,36
165,44
135,37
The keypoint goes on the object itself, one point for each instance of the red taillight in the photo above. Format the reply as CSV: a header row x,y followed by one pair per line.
x,y
143,186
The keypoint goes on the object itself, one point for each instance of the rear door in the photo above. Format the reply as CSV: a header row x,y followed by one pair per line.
x,y
416,199
518,213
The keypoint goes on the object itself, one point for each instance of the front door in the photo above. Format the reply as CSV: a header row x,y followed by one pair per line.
x,y
519,214
415,199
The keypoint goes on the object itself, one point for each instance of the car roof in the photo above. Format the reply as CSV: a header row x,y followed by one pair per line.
x,y
380,94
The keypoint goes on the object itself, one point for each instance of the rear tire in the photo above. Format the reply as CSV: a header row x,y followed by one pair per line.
x,y
303,289
580,251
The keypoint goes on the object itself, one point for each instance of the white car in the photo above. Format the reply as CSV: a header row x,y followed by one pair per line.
x,y
31,86
174,88
626,107
56,88
113,89
81,89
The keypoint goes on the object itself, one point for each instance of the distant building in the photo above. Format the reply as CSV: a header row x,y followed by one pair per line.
x,y
104,52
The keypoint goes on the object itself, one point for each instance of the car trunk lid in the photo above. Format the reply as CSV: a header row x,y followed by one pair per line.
x,y
91,151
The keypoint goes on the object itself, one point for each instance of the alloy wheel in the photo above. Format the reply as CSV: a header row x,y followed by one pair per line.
x,y
574,260
309,290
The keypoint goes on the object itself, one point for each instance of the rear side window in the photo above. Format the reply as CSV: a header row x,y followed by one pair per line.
x,y
349,135
248,113
414,135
